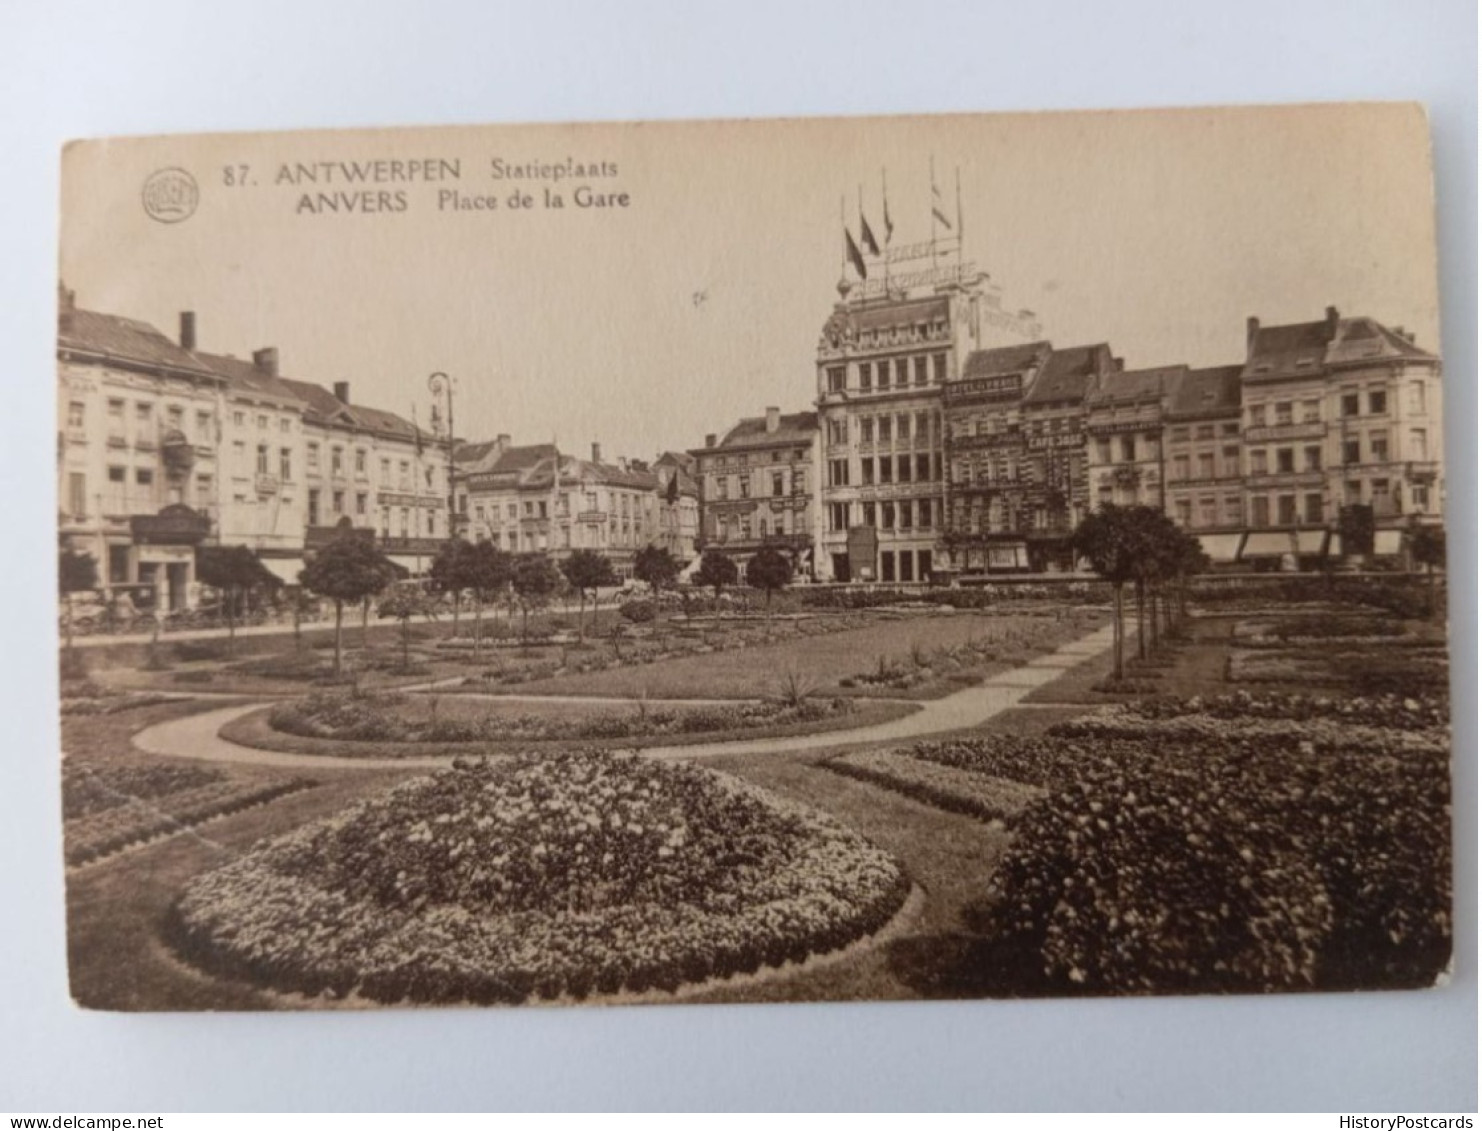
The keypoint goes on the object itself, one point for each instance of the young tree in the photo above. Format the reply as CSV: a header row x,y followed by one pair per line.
x,y
716,570
486,571
403,603
1106,541
235,571
769,571
1428,548
535,579
587,570
658,568
449,573
348,570
76,573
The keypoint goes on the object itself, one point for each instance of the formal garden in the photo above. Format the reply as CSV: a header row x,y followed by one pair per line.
x,y
1247,791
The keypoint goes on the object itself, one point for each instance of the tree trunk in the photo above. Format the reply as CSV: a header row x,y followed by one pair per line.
x,y
231,622
581,612
339,609
1117,632
1142,638
406,643
1430,596
69,622
455,614
298,616
365,625
478,623
1154,611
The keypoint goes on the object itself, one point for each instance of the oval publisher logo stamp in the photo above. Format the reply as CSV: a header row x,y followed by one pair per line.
x,y
171,195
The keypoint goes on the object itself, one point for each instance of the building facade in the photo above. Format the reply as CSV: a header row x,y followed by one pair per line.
x,y
758,485
884,358
137,454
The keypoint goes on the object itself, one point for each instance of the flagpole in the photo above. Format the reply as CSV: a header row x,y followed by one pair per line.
x,y
957,172
885,211
859,203
931,201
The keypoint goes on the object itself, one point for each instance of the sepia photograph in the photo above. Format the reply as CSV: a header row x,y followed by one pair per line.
x,y
979,556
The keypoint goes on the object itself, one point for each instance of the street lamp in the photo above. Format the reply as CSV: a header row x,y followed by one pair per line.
x,y
441,385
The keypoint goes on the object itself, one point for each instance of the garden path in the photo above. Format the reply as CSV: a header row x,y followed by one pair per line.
x,y
196,735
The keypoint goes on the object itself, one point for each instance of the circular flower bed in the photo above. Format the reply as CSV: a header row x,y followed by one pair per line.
x,y
561,875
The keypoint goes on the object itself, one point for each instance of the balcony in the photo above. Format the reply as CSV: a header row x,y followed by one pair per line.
x,y
1286,479
1308,430
267,484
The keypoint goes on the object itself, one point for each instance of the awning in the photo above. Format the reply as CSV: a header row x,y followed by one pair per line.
x,y
1221,547
1387,541
411,563
284,569
1267,544
1312,542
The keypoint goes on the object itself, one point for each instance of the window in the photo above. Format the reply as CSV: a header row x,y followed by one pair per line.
x,y
1286,510
867,430
1420,496
923,467
1312,507
887,516
1419,449
1230,462
337,502
313,506
203,427
1379,446
838,472
285,464
313,457
404,475
1283,412
885,429
360,503
777,483
902,372
1417,396
839,516
1207,513
336,461
1182,509
838,430
902,469
1230,429
923,428
1257,416
1312,458
836,377
406,522
1311,411
143,424
262,459
1180,468
1178,436
1285,461
1258,462
903,427
887,470
1128,446
285,424
939,367
117,475
1378,401
512,511
1103,451
721,483
239,420
1349,405
882,374
239,457
77,493
76,412
1232,510
867,514
203,491
1260,511
359,461
743,480
923,512
905,514
1351,451
385,473
1206,465
921,370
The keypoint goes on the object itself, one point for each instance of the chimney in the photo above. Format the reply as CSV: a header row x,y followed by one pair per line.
x,y
187,329
66,304
501,441
1252,328
266,360
596,452
623,462
1332,318
774,418
710,439
342,392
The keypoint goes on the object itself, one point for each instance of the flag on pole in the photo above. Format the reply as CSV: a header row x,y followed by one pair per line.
x,y
854,254
885,202
867,237
937,205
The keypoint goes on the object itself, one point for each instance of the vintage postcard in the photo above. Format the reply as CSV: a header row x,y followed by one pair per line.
x,y
896,558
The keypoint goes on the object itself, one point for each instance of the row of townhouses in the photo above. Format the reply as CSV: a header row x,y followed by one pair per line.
x,y
949,439
164,446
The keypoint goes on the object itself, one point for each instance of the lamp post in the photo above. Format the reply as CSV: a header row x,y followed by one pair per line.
x,y
441,385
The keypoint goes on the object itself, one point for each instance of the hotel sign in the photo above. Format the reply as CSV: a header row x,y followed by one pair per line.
x,y
1055,442
1007,386
946,274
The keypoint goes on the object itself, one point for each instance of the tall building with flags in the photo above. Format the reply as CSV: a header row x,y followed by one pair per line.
x,y
907,319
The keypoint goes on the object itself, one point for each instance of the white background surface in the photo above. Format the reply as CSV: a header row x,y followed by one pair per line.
x,y
93,69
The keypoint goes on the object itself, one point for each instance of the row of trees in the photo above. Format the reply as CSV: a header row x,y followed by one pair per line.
x,y
1144,548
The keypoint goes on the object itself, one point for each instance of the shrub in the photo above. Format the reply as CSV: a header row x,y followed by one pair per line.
x,y
637,612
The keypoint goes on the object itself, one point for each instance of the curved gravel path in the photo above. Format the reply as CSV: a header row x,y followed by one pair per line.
x,y
195,736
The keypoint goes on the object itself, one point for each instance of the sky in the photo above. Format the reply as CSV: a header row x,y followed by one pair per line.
x,y
646,326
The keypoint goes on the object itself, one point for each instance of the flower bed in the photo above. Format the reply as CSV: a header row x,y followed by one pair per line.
x,y
1367,669
387,718
88,789
104,832
959,791
1417,712
88,698
1183,852
562,875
